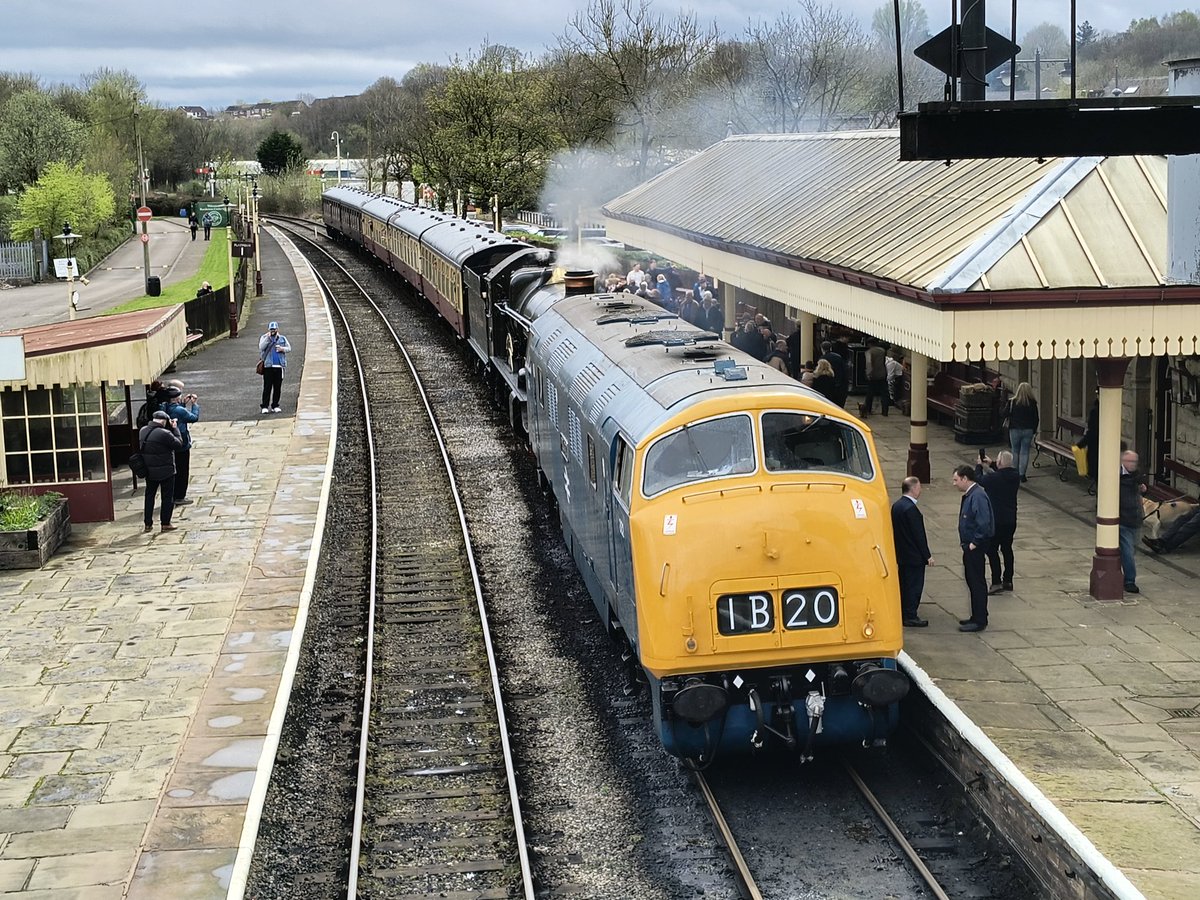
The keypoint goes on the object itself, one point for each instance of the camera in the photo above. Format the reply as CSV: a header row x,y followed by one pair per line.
x,y
982,453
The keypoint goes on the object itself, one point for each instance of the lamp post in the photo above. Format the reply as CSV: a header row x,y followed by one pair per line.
x,y
68,238
257,257
233,310
337,138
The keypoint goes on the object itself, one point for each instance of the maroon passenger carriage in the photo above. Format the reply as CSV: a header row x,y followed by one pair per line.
x,y
432,251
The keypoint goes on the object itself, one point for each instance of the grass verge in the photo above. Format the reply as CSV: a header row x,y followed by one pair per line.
x,y
214,269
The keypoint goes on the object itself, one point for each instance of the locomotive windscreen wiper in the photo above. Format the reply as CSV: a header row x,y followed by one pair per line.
x,y
687,432
820,418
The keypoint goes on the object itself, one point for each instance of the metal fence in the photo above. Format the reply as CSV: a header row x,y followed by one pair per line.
x,y
18,261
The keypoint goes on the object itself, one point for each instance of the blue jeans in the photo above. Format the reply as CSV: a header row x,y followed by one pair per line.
x,y
1020,440
1127,540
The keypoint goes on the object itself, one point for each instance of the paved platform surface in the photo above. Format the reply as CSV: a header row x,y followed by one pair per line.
x,y
138,673
1092,701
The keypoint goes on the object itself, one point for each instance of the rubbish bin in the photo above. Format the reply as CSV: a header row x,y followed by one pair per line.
x,y
153,286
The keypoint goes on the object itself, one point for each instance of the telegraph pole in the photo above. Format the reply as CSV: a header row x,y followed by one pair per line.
x,y
137,132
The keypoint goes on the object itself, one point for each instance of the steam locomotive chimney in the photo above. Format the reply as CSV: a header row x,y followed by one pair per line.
x,y
580,281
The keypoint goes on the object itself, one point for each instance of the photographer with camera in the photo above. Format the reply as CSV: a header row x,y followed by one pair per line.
x,y
184,409
273,348
159,441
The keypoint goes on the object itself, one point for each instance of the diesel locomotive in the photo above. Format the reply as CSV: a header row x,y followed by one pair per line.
x,y
731,526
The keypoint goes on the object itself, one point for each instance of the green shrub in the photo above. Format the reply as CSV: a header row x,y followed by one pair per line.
x,y
20,512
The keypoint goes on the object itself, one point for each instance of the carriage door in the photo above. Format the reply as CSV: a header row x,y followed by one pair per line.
x,y
617,513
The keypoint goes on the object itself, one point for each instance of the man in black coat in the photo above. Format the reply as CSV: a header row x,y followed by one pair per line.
x,y
912,550
159,441
1001,484
841,372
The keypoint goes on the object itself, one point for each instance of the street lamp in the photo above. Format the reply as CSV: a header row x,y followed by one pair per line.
x,y
257,256
233,310
68,238
338,139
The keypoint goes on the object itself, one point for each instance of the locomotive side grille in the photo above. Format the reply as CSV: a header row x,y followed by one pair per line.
x,y
552,403
602,401
574,434
587,379
559,357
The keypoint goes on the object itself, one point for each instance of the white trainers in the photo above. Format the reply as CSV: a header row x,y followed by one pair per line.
x,y
276,409
265,410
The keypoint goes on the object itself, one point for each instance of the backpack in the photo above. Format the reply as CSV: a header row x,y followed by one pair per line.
x,y
137,463
149,408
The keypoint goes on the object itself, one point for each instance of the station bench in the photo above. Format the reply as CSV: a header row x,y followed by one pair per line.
x,y
1175,471
1066,432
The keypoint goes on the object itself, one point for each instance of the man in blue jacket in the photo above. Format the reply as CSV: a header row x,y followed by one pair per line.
x,y
184,409
976,525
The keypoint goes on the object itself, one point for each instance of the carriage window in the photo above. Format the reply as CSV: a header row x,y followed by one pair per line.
x,y
712,449
591,461
795,442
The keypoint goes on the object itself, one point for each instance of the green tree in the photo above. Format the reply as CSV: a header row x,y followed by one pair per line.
x,y
491,114
64,194
1085,34
280,153
1048,38
33,133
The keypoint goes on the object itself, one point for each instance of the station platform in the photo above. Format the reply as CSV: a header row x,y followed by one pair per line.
x,y
1096,703
139,672
143,678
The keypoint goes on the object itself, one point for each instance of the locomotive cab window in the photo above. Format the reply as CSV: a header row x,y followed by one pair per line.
x,y
713,449
623,468
794,442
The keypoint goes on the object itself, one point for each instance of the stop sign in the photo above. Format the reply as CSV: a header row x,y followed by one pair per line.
x,y
145,214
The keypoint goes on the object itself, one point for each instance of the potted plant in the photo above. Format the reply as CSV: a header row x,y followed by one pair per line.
x,y
32,526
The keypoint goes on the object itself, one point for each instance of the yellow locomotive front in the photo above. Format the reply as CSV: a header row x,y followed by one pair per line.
x,y
765,576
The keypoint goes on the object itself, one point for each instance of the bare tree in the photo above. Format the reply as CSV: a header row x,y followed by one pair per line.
x,y
643,64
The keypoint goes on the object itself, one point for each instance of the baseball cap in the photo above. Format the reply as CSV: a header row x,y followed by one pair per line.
x,y
274,326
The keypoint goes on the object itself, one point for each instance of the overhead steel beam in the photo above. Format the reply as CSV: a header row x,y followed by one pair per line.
x,y
1116,126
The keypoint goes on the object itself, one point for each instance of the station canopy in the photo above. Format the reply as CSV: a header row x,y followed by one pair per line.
x,y
979,259
121,349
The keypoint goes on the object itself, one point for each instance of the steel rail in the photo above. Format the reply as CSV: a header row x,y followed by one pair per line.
x,y
369,679
510,772
896,833
750,888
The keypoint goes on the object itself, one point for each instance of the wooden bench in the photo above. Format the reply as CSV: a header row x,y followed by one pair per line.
x,y
1066,432
942,397
1176,471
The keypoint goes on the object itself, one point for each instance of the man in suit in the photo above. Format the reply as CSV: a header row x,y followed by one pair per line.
x,y
975,529
912,550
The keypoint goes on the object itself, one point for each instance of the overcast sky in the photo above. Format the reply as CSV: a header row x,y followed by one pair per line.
x,y
219,52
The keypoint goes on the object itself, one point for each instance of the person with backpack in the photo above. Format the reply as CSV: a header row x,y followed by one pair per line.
x,y
158,441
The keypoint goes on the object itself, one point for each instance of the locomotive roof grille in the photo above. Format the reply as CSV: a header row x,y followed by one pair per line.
x,y
670,338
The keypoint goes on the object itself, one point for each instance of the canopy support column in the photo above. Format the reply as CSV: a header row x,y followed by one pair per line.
x,y
918,419
1107,581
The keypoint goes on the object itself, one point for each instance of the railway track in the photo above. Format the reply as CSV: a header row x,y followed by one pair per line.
x,y
436,811
745,873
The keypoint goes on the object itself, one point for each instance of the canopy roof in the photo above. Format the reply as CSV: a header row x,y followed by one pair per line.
x,y
1011,235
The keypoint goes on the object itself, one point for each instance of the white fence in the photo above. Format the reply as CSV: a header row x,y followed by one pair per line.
x,y
18,261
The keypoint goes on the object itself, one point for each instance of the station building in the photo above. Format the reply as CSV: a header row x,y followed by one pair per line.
x,y
1056,272
67,401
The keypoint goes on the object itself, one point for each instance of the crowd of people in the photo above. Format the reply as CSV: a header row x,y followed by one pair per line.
x,y
699,305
